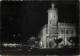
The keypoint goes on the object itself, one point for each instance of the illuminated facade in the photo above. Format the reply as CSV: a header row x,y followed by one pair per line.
x,y
65,31
42,36
56,30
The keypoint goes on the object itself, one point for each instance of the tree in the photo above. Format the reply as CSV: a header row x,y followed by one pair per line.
x,y
73,40
33,42
57,41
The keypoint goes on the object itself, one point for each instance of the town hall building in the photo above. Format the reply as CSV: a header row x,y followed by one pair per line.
x,y
55,30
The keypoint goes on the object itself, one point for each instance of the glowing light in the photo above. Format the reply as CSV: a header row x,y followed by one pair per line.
x,y
14,35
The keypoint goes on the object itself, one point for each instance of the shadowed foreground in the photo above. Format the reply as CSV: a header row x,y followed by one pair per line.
x,y
23,51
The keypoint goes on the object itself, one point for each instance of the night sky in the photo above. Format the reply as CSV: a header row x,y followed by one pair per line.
x,y
27,18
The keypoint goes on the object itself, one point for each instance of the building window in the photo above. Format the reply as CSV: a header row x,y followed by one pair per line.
x,y
62,31
50,21
67,38
54,16
50,44
67,31
71,31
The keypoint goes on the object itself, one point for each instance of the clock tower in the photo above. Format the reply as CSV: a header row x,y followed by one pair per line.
x,y
52,19
52,26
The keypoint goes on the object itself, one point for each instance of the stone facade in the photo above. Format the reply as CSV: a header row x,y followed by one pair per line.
x,y
65,31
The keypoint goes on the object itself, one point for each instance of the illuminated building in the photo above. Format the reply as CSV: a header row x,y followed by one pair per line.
x,y
56,30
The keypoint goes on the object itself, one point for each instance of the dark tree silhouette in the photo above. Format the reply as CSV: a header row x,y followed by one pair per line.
x,y
58,41
33,42
73,40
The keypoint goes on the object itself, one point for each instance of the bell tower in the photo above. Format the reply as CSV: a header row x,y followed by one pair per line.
x,y
52,19
52,26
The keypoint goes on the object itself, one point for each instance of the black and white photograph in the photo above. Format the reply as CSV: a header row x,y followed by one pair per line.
x,y
39,28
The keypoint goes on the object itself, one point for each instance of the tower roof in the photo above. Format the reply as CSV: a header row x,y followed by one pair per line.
x,y
52,5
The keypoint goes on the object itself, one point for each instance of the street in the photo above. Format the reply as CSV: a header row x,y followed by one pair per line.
x,y
22,51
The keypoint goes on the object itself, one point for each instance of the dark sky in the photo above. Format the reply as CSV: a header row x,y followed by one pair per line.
x,y
27,18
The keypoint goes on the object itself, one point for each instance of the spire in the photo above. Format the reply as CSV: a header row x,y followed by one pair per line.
x,y
52,5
